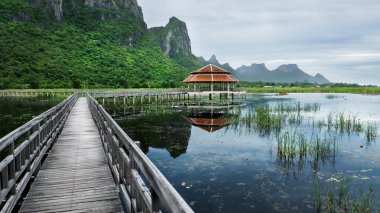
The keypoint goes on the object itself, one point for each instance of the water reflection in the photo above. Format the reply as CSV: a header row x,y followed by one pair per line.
x,y
277,154
159,130
211,120
16,111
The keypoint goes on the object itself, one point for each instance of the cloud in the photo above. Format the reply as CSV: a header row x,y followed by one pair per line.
x,y
339,40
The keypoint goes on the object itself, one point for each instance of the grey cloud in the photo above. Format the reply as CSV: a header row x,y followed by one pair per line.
x,y
315,33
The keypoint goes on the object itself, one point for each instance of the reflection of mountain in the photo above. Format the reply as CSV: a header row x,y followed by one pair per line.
x,y
210,120
165,131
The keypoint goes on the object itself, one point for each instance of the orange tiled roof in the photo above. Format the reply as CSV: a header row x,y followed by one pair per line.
x,y
203,78
210,73
210,69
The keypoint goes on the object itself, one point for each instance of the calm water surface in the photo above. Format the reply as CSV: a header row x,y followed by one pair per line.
x,y
16,111
236,167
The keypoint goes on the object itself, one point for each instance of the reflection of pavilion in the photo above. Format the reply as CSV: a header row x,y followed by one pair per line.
x,y
210,120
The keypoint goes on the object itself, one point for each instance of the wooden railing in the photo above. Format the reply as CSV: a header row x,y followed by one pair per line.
x,y
35,93
130,166
23,150
126,93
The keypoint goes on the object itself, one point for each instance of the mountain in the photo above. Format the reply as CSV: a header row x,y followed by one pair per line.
x,y
215,61
80,43
253,72
321,79
286,73
174,40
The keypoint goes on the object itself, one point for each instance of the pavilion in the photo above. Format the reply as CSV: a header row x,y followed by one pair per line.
x,y
210,80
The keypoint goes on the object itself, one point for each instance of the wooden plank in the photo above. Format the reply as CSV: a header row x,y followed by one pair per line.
x,y
75,176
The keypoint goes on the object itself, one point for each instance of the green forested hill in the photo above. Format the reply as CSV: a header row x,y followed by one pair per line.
x,y
91,47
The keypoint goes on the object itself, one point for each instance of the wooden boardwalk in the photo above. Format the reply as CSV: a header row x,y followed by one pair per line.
x,y
75,177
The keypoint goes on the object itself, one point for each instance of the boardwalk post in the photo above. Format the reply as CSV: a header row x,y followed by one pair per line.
x,y
155,201
37,145
12,168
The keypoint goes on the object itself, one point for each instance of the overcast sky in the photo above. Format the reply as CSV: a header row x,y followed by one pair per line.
x,y
337,38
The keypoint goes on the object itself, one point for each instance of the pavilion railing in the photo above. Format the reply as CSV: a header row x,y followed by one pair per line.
x,y
130,167
215,90
22,150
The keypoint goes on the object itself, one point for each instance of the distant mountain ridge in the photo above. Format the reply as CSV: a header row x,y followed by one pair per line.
x,y
286,73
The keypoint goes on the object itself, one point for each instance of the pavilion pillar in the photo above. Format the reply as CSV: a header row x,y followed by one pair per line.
x,y
212,89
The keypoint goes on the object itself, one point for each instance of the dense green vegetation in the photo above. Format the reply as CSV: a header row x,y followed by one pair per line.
x,y
91,48
283,88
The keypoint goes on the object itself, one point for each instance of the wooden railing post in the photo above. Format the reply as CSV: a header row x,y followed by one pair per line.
x,y
155,201
12,167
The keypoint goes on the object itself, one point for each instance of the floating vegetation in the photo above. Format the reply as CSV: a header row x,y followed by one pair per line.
x,y
371,132
331,96
282,93
296,107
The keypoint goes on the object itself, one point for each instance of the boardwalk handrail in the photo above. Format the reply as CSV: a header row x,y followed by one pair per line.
x,y
35,92
128,164
23,149
125,93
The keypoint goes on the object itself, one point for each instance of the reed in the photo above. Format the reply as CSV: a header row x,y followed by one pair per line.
x,y
264,119
339,197
371,132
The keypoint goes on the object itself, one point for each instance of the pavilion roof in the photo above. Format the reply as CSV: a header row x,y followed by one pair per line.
x,y
211,68
210,73
205,78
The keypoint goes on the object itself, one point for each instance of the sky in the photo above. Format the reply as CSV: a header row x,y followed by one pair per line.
x,y
338,38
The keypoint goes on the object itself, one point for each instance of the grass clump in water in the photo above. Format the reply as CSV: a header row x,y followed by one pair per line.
x,y
339,198
264,119
371,132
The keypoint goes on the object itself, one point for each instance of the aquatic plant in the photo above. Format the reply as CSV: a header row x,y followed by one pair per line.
x,y
339,198
296,107
263,119
317,195
371,132
286,145
343,123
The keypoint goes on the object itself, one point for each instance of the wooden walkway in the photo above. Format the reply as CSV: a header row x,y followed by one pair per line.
x,y
75,177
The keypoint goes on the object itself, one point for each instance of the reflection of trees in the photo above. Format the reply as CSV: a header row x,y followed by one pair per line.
x,y
16,111
159,130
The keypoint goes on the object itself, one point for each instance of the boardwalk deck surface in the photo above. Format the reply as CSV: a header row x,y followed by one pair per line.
x,y
75,177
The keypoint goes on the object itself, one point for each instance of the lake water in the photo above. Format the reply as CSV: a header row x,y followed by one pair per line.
x,y
14,112
228,160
